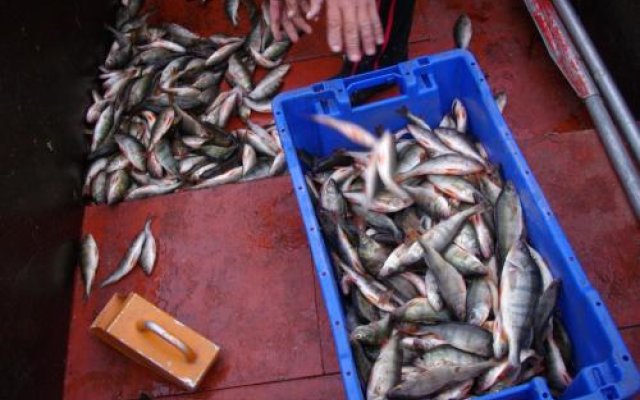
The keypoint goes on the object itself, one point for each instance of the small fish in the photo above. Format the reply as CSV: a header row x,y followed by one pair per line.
x,y
448,164
129,260
149,249
103,126
232,175
276,49
479,301
419,309
483,233
450,283
99,188
501,101
133,150
520,289
263,61
465,337
509,220
369,288
546,305
270,84
374,333
117,186
433,294
387,164
427,198
459,113
435,379
466,263
163,123
238,75
462,32
427,139
94,169
231,9
424,343
89,259
557,372
457,142
385,373
152,190
263,106
447,355
455,187
223,53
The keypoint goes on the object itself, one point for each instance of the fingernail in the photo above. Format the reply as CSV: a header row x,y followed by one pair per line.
x,y
291,13
335,48
370,52
379,40
354,57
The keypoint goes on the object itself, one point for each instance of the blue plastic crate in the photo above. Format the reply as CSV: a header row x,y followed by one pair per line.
x,y
427,86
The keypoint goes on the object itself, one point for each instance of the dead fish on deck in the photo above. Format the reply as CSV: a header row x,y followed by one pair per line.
x,y
89,259
462,32
161,103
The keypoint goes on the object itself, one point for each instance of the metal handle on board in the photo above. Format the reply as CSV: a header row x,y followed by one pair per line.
x,y
150,326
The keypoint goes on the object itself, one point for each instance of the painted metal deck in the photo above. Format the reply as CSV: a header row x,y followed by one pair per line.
x,y
233,261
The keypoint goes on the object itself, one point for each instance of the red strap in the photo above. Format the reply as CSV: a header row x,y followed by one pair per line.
x,y
387,33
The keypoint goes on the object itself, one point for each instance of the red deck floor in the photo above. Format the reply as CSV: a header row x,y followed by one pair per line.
x,y
234,263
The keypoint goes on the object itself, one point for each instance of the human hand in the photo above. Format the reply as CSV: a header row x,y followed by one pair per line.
x,y
289,15
355,26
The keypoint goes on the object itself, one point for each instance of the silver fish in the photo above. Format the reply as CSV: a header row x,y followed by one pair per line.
x,y
479,301
133,150
435,379
129,260
231,9
270,84
520,288
462,32
450,282
386,370
501,101
152,190
89,259
117,185
509,220
223,53
448,164
465,337
149,249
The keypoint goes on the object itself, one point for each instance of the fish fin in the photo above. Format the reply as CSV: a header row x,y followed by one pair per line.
x,y
345,284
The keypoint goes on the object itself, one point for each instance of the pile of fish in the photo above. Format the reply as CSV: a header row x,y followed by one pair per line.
x,y
159,122
143,251
444,296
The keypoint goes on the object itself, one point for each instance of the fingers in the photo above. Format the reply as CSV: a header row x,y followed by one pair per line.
x,y
314,9
292,8
366,29
304,6
334,26
275,9
374,17
292,32
351,32
300,23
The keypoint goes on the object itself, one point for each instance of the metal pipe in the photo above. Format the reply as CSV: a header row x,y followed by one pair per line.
x,y
615,149
600,75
